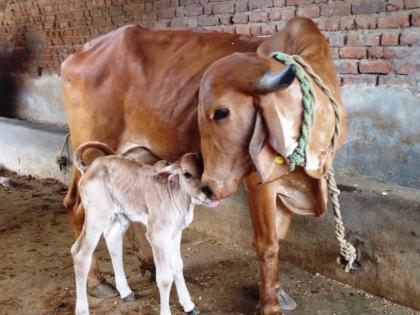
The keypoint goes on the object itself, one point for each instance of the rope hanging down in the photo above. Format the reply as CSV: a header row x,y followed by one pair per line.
x,y
298,156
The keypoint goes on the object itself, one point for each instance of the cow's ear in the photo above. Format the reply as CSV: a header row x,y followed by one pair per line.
x,y
268,163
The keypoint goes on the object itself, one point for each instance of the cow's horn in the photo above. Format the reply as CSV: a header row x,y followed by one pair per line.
x,y
274,81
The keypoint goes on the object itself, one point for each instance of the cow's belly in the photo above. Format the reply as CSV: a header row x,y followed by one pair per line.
x,y
168,142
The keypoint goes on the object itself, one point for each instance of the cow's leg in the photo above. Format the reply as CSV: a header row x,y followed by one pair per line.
x,y
269,228
97,286
162,252
137,236
114,241
82,252
184,296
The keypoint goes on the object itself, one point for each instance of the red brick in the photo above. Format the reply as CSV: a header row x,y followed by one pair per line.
x,y
360,80
415,19
335,39
268,28
346,66
243,29
389,52
365,21
115,10
329,24
226,19
394,80
406,68
412,38
288,13
353,52
394,20
336,9
241,18
395,5
208,8
223,8
376,52
279,3
260,4
161,4
309,11
412,4
347,23
258,16
193,10
367,7
375,66
241,6
298,2
390,39
334,52
166,13
369,39
208,20
256,30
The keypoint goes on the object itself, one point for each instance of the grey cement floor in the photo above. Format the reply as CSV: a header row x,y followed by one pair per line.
x,y
36,274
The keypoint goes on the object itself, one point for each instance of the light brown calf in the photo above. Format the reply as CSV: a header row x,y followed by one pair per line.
x,y
117,190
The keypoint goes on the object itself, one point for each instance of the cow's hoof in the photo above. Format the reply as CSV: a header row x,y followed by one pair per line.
x,y
103,290
130,298
194,311
286,301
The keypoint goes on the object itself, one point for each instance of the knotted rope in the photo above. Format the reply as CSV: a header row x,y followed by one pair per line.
x,y
298,156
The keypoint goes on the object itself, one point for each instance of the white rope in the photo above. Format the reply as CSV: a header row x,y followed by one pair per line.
x,y
347,250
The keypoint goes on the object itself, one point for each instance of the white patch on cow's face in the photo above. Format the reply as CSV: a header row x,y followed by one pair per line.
x,y
289,134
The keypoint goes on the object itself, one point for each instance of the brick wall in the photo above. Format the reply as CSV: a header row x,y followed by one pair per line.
x,y
375,42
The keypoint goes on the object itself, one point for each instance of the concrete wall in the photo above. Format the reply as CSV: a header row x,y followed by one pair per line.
x,y
40,100
383,140
31,149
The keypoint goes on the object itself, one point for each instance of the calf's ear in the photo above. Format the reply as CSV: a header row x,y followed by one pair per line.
x,y
167,173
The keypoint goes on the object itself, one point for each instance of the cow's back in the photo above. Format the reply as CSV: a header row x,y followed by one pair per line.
x,y
141,85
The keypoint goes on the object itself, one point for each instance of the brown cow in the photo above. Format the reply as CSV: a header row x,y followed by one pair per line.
x,y
172,90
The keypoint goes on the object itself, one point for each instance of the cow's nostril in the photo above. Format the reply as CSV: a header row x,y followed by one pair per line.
x,y
207,191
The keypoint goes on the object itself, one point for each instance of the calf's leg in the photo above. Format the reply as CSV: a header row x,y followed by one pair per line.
x,y
114,240
267,226
82,251
162,251
98,287
181,287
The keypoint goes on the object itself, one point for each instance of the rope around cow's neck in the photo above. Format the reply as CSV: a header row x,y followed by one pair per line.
x,y
298,156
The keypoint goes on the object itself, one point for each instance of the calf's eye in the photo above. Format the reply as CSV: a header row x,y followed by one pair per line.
x,y
220,113
187,175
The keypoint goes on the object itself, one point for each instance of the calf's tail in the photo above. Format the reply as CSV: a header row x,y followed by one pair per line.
x,y
78,155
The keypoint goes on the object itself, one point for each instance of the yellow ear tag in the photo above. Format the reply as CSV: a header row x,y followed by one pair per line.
x,y
279,160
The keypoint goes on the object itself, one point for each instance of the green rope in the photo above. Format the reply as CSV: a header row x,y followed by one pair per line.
x,y
298,156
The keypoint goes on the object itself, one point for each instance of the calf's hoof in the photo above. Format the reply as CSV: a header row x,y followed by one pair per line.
x,y
286,301
103,290
130,298
194,311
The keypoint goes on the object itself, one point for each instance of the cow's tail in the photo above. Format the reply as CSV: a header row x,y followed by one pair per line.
x,y
78,155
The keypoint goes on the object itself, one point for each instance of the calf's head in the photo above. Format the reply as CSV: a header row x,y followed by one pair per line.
x,y
240,98
185,174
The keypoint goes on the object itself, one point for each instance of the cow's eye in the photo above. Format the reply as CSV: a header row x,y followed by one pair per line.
x,y
220,113
187,175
